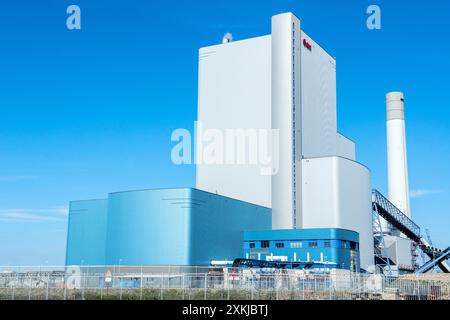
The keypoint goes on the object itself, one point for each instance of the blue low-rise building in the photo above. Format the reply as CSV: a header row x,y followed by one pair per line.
x,y
332,248
160,227
188,227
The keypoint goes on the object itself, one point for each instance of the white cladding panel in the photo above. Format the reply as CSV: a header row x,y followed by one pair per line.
x,y
399,250
337,194
345,148
318,95
235,93
404,252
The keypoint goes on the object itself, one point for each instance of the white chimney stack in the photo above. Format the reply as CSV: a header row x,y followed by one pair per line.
x,y
398,185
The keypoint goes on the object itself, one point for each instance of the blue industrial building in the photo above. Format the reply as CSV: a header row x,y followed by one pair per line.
x,y
330,248
160,227
193,227
86,232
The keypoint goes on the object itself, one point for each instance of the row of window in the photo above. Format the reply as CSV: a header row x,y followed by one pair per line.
x,y
266,244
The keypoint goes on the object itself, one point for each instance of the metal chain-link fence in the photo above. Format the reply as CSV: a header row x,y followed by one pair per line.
x,y
200,283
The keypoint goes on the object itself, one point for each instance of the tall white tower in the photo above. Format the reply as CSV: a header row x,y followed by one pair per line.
x,y
398,185
286,118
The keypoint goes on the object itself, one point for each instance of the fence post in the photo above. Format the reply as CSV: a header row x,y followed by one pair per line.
x,y
83,279
182,279
276,285
29,288
315,283
119,278
142,280
358,284
330,286
206,285
65,286
14,287
223,285
418,288
253,286
48,281
161,283
228,287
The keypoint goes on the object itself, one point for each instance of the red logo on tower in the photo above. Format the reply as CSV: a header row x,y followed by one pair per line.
x,y
307,44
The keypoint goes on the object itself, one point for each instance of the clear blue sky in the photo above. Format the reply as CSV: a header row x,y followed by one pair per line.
x,y
84,113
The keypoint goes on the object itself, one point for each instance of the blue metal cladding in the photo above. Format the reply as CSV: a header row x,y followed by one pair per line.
x,y
149,227
86,232
178,227
161,227
218,224
332,245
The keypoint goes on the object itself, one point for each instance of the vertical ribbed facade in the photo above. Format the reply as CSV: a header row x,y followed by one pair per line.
x,y
286,118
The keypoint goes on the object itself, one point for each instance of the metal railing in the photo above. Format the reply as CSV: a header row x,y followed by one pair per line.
x,y
394,216
200,283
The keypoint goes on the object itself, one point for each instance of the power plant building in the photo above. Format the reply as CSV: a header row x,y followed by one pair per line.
x,y
280,88
285,82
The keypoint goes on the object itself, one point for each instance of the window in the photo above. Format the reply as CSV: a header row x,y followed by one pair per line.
x,y
279,245
313,244
296,245
327,244
353,245
265,244
252,245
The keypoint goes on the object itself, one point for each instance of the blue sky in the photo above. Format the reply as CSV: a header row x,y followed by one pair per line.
x,y
84,113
